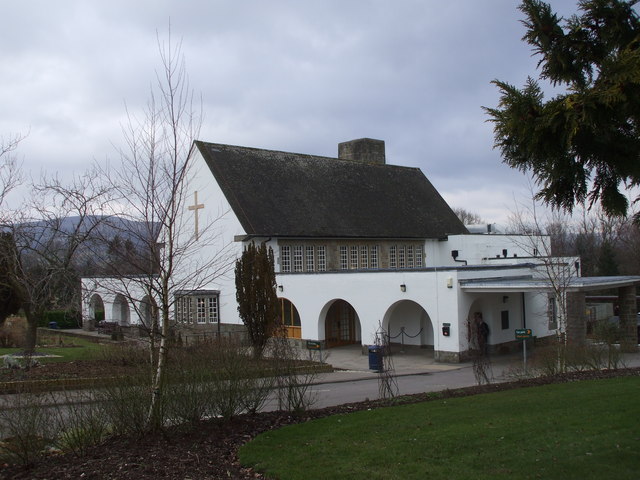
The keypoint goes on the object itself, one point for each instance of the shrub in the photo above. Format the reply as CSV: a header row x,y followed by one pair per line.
x,y
25,429
63,318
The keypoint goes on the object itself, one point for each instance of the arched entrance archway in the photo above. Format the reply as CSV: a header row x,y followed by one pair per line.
x,y
408,323
96,308
149,312
120,312
341,326
290,318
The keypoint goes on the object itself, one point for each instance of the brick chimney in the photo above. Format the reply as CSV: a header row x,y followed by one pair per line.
x,y
364,150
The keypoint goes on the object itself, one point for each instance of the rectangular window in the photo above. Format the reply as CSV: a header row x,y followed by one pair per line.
x,y
212,309
322,258
504,315
401,262
410,256
201,309
393,260
297,258
419,262
184,312
354,257
180,310
285,258
364,256
310,259
343,258
374,256
197,307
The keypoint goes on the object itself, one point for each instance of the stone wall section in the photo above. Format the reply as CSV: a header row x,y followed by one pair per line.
x,y
628,319
576,318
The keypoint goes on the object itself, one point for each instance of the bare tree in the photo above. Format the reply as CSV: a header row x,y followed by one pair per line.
x,y
467,217
153,186
543,232
52,235
10,173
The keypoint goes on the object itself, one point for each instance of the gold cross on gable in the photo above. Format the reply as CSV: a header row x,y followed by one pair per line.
x,y
195,207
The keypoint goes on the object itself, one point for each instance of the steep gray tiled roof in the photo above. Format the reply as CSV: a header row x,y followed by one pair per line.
x,y
295,195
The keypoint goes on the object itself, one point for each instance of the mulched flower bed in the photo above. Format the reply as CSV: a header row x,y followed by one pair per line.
x,y
209,451
77,369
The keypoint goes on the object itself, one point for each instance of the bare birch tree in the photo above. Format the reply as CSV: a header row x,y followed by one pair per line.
x,y
535,229
153,187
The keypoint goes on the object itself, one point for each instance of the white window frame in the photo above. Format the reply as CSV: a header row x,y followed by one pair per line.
x,y
419,262
199,306
344,258
373,256
409,256
297,258
311,267
364,256
401,257
285,258
321,252
353,257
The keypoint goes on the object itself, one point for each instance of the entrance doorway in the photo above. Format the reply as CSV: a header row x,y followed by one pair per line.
x,y
340,325
290,319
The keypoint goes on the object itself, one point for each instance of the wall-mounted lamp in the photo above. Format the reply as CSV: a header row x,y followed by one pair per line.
x,y
403,288
505,299
449,282
280,287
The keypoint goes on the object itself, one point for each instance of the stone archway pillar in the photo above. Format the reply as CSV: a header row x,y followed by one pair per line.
x,y
576,318
628,322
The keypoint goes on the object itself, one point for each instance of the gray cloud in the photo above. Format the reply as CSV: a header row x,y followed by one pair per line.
x,y
288,75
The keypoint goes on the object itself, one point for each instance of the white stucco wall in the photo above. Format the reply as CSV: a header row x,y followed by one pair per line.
x,y
480,249
217,228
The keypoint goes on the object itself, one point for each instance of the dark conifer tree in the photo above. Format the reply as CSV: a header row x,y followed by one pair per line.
x,y
10,296
583,144
256,295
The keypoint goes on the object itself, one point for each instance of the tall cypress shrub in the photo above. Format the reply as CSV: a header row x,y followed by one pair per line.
x,y
256,294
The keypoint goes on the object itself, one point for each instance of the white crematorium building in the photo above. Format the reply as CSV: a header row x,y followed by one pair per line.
x,y
360,244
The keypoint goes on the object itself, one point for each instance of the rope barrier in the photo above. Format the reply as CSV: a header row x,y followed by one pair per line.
x,y
403,333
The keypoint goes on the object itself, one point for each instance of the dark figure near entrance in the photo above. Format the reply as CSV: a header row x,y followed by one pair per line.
x,y
482,330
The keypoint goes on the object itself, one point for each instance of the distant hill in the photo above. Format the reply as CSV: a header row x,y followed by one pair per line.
x,y
108,244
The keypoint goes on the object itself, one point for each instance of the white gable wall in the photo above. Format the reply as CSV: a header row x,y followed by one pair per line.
x,y
218,226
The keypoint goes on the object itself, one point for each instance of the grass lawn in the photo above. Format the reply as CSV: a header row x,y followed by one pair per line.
x,y
66,349
581,430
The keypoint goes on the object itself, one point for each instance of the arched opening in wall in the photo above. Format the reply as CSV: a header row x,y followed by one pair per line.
x,y
96,308
289,318
408,323
149,313
342,325
120,312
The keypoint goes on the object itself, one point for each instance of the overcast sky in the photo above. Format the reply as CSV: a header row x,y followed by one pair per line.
x,y
295,75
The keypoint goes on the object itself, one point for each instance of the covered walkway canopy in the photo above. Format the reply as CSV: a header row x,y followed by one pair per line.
x,y
574,288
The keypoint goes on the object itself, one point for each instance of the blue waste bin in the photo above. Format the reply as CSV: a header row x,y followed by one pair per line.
x,y
53,324
375,358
